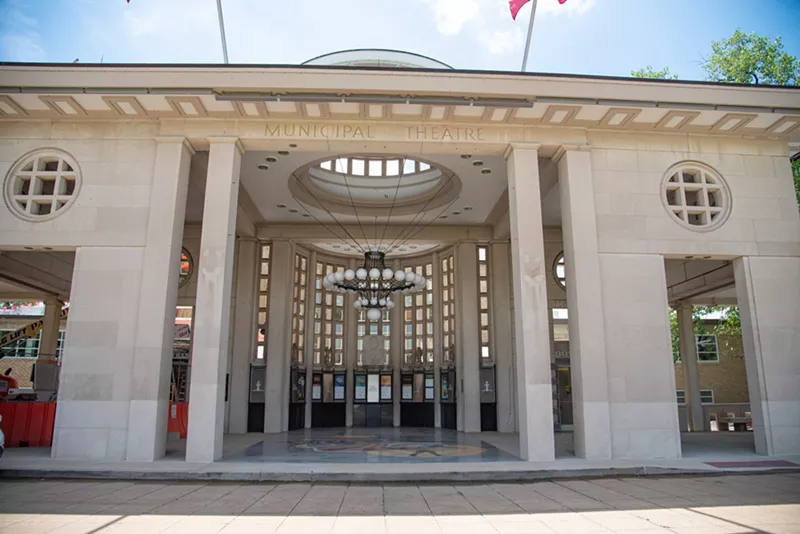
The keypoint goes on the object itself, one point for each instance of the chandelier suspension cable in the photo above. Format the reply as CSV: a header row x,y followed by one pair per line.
x,y
411,225
394,199
429,222
353,203
357,244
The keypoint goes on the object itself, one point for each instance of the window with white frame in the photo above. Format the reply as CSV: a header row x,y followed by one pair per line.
x,y
328,319
707,350
706,396
263,300
29,347
299,307
448,311
418,321
483,303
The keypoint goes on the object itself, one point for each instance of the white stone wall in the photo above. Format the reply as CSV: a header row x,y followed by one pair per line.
x,y
631,219
112,206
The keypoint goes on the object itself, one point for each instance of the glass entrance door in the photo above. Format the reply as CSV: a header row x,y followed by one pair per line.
x,y
372,399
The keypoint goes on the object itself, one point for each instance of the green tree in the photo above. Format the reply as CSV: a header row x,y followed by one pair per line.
x,y
751,58
796,173
648,72
728,327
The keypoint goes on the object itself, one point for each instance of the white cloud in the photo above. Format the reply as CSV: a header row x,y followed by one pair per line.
x,y
500,42
490,23
19,35
452,15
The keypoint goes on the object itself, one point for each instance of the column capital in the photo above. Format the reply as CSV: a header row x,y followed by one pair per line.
x,y
227,140
520,146
165,139
563,149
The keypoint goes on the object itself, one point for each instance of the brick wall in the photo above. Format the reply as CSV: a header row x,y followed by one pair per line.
x,y
727,377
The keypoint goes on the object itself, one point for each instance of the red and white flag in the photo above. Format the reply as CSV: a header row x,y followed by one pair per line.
x,y
516,5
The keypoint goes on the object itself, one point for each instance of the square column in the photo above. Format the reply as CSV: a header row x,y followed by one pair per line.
x,y
501,335
155,330
468,331
641,372
590,409
768,291
279,331
351,349
45,380
529,273
438,357
213,308
691,378
94,393
245,325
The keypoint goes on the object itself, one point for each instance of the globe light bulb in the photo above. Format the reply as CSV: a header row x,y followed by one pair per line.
x,y
361,274
349,274
374,273
382,302
373,302
374,314
400,276
339,276
388,274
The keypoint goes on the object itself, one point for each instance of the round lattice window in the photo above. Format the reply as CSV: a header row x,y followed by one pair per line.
x,y
187,267
696,196
42,184
559,271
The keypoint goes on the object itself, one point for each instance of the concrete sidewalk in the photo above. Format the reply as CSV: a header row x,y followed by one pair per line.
x,y
691,505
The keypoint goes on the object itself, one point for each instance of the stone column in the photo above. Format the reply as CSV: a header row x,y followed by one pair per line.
x,y
46,378
396,349
468,329
212,313
691,378
501,334
592,422
350,349
308,343
641,373
245,328
94,394
438,349
155,330
529,273
768,292
279,333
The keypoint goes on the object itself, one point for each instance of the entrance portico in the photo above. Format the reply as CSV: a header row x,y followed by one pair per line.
x,y
486,195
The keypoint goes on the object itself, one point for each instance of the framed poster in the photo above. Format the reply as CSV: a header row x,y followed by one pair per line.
x,y
445,394
429,395
406,390
316,387
386,387
361,387
338,387
373,388
258,384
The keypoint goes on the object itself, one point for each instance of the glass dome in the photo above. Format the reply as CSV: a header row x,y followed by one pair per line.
x,y
376,57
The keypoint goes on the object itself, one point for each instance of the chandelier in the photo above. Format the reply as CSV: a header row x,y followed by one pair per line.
x,y
338,181
374,284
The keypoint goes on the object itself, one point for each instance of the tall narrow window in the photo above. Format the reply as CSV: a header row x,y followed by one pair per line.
x,y
418,321
383,327
263,300
448,311
483,303
328,319
299,306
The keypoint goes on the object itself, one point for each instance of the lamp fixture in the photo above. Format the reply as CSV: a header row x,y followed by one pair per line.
x,y
374,284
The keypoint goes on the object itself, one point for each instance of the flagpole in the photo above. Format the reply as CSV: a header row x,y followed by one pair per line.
x,y
530,33
222,31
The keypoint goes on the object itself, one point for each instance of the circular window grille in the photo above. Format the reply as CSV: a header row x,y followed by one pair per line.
x,y
559,271
42,184
187,267
696,196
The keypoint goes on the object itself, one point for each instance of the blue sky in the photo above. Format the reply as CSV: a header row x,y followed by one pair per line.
x,y
608,37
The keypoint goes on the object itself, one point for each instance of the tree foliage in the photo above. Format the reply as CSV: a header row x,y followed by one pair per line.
x,y
728,327
648,72
751,58
796,174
